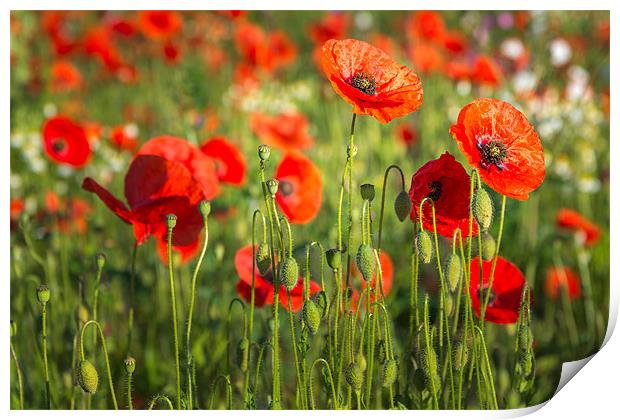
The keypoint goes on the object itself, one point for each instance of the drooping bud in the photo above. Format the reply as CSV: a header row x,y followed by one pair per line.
x,y
460,355
289,273
311,316
454,271
100,259
272,186
381,354
402,205
363,364
367,191
130,365
87,377
334,259
322,303
354,376
449,304
390,372
488,246
171,221
424,246
430,366
243,347
263,261
13,328
482,208
82,314
264,152
365,261
43,294
205,208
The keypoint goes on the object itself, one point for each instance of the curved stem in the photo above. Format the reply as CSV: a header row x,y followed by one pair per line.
x,y
331,383
228,391
229,328
105,354
402,182
20,381
158,398
48,398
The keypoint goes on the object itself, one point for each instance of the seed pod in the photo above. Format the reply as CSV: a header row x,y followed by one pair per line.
x,y
264,152
354,376
263,261
205,208
390,372
488,246
365,260
367,191
460,355
243,347
424,246
454,271
334,259
402,205
311,316
272,186
171,221
289,273
43,294
483,208
100,259
130,365
87,377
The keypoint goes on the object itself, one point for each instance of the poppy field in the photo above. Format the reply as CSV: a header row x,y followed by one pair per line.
x,y
306,209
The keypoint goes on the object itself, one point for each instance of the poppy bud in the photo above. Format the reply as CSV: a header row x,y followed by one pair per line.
x,y
367,191
100,260
483,208
87,377
449,304
322,302
390,372
130,365
264,152
424,246
351,151
275,405
205,208
354,376
333,258
272,186
365,260
526,361
263,261
431,367
82,314
171,221
402,205
460,355
454,271
311,316
488,247
289,273
43,294
13,328
243,347
381,355
361,359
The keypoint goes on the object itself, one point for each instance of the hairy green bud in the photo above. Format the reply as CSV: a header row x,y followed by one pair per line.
x,y
390,372
334,259
365,261
263,260
460,354
243,347
454,271
205,208
430,366
402,205
424,246
354,376
289,273
100,259
488,246
483,208
311,316
13,328
87,377
43,294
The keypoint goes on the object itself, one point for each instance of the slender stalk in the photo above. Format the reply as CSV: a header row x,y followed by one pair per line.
x,y
20,381
48,399
428,340
129,399
105,354
174,317
331,383
158,398
226,379
402,182
132,296
485,355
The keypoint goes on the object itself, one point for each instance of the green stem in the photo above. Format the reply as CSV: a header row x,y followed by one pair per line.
x,y
228,391
20,381
402,182
160,398
129,401
105,354
331,383
132,296
174,318
48,399
487,364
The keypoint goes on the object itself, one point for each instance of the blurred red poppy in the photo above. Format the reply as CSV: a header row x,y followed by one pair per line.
x,y
485,71
200,166
65,142
154,188
281,51
17,207
159,24
406,133
562,277
571,219
387,279
502,145
370,80
265,51
300,191
263,285
124,137
506,291
426,57
285,131
458,69
65,76
454,42
333,25
230,163
53,23
446,182
426,24
187,252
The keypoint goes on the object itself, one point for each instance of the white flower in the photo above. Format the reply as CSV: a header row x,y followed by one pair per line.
x,y
561,52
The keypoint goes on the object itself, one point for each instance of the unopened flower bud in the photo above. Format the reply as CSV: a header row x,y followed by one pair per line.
x,y
367,191
424,246
322,302
365,261
263,261
130,365
354,376
482,208
289,273
488,246
430,366
171,221
43,294
460,355
390,372
454,271
334,259
264,152
87,377
311,316
243,347
272,186
402,205
205,208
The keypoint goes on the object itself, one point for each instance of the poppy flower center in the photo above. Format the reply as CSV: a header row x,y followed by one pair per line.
x,y
285,188
59,144
492,152
435,190
483,295
365,83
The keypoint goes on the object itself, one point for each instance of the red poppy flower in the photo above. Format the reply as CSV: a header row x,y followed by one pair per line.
x,y
570,219
446,182
454,42
427,24
458,70
486,71
65,76
54,24
201,167
387,279
172,52
263,285
186,252
280,51
250,41
52,202
124,137
334,25
229,161
65,142
370,80
300,190
562,277
426,57
502,145
407,134
154,188
284,131
159,24
506,291
17,208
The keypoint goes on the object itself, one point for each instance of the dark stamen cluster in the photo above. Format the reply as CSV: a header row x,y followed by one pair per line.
x,y
286,188
58,144
483,295
492,153
364,82
435,190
